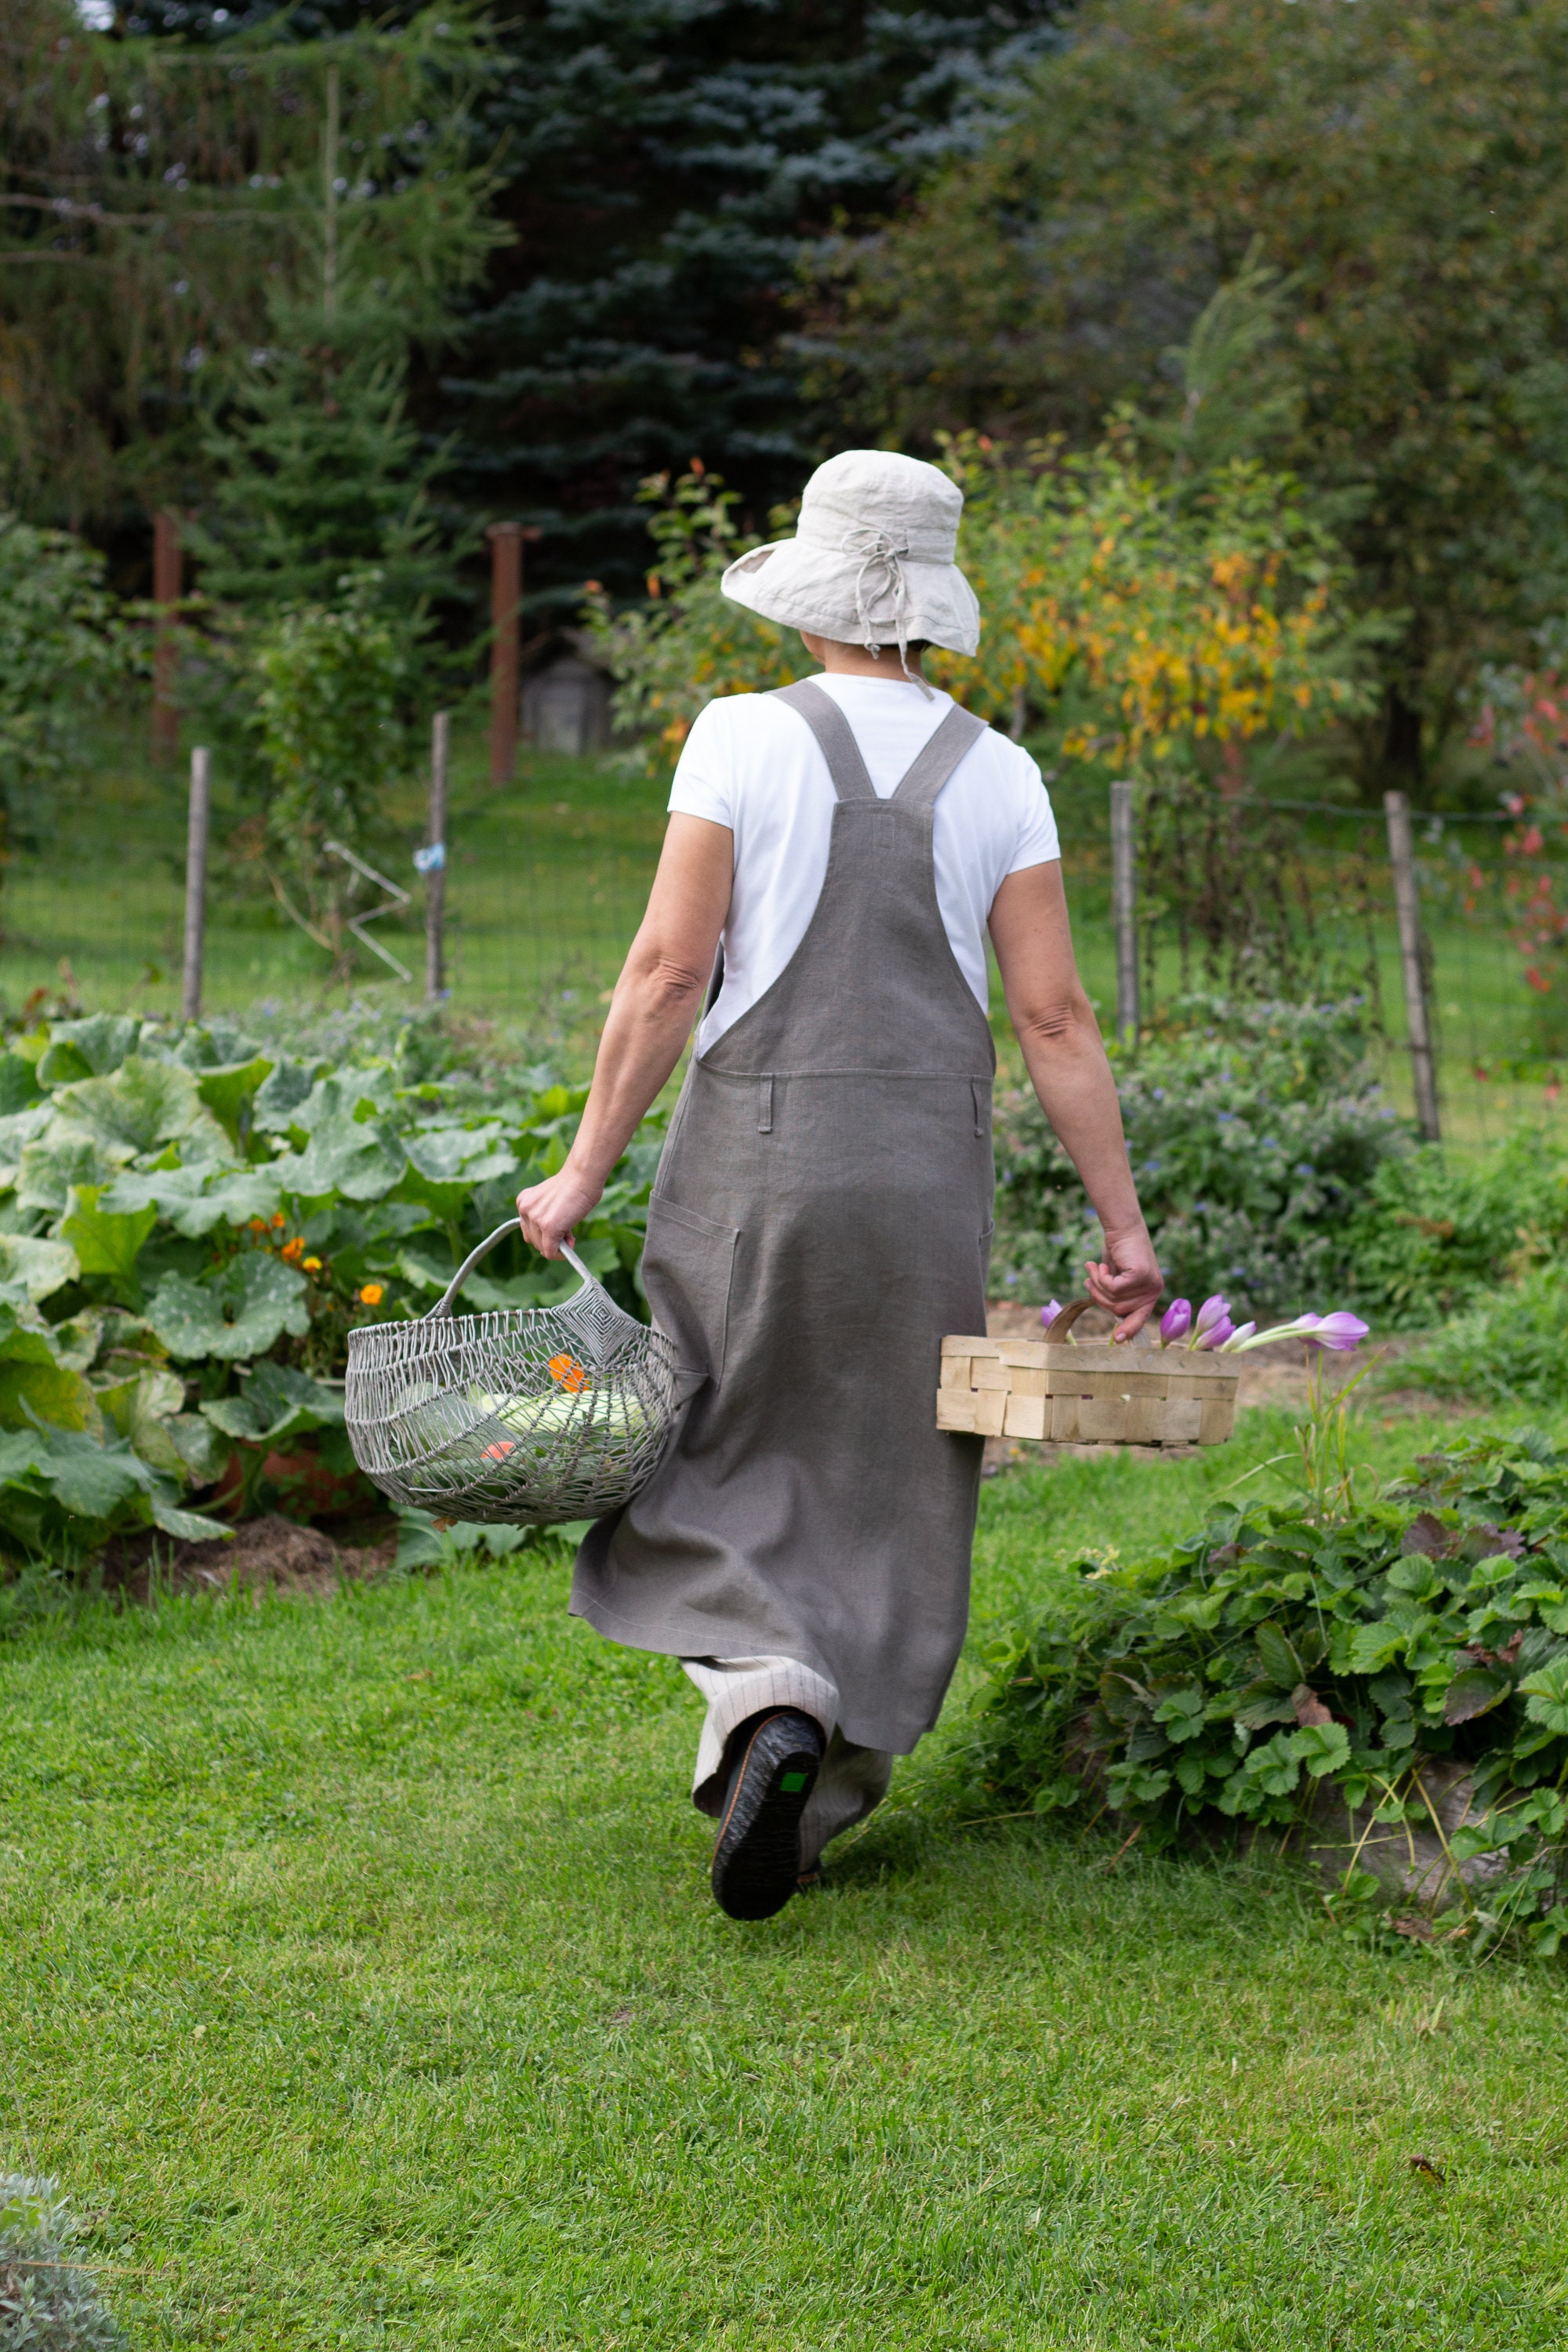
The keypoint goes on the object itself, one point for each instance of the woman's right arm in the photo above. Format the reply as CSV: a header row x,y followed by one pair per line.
x,y
1065,1056
656,1003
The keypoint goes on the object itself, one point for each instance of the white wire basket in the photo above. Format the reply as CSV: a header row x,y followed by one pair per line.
x,y
527,1417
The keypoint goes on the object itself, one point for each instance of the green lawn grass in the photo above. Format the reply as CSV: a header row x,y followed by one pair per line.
x,y
360,1971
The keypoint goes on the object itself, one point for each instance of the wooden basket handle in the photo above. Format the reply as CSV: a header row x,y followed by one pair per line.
x,y
1058,1329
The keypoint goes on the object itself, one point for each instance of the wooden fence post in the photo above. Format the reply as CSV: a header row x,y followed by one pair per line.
x,y
1413,964
433,862
1124,912
506,596
165,655
197,882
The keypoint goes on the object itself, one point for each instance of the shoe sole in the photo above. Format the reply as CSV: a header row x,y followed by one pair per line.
x,y
756,1875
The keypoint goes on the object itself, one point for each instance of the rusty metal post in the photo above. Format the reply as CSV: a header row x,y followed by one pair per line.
x,y
1413,965
435,863
165,653
1124,912
196,883
506,596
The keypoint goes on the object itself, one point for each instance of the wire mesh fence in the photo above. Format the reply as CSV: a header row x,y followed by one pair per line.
x,y
545,885
1299,898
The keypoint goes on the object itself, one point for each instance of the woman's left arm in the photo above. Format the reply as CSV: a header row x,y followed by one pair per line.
x,y
1065,1055
656,1003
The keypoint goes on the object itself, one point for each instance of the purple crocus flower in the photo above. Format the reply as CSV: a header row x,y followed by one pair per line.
x,y
1341,1331
1212,1312
1240,1335
1216,1335
1049,1311
1175,1322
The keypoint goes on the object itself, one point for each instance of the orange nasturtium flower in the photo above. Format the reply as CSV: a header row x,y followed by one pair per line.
x,y
278,1217
258,1224
373,1293
294,1249
569,1372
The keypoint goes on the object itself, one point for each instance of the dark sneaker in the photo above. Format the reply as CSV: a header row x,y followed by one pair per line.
x,y
757,1858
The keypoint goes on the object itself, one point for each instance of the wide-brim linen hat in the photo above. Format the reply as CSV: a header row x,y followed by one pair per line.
x,y
872,562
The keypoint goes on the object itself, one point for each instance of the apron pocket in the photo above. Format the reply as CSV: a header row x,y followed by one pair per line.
x,y
688,1265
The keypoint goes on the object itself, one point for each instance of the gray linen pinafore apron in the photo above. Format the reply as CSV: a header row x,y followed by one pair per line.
x,y
821,1217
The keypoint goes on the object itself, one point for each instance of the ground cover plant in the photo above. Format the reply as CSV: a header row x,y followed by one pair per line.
x,y
1323,1647
191,1223
1509,1347
359,1978
50,2300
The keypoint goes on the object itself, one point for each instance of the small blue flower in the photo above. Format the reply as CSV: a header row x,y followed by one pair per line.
x,y
1304,1168
1269,1142
1225,1116
1159,1094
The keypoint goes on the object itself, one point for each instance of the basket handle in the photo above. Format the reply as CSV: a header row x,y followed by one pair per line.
x,y
443,1305
1058,1331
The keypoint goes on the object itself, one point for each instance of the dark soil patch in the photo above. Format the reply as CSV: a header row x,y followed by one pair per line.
x,y
269,1553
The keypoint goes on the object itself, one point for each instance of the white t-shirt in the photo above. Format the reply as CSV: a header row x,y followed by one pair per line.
x,y
752,763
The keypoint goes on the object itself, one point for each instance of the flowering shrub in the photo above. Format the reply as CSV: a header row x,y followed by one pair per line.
x,y
1255,1132
193,1225
1147,622
1289,1651
1131,621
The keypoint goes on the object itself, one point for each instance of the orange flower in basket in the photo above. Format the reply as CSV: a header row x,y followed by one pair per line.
x,y
499,1450
569,1372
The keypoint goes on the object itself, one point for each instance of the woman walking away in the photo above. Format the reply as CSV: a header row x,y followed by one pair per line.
x,y
821,1213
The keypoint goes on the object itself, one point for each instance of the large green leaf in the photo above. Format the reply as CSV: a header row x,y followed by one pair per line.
x,y
445,1163
32,1391
24,1337
105,1241
361,1159
358,1095
144,1104
17,1129
276,1404
1475,1692
239,1312
140,1409
188,1527
88,1479
85,1049
63,1156
227,1089
195,1200
202,1449
40,1268
1546,1695
18,1084
280,1096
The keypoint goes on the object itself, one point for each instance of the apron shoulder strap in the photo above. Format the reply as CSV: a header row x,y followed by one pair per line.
x,y
933,765
835,738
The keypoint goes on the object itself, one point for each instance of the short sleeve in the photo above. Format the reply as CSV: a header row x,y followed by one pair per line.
x,y
1038,842
704,781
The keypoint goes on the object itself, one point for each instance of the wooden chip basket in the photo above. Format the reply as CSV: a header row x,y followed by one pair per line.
x,y
1097,1394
